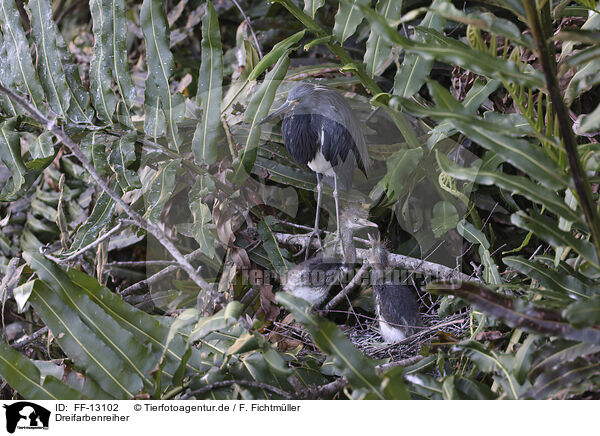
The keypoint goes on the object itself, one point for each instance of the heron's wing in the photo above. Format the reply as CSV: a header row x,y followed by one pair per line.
x,y
343,114
301,137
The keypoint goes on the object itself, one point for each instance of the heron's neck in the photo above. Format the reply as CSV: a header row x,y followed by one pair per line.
x,y
348,247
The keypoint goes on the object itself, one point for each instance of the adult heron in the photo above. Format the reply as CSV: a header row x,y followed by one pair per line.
x,y
397,308
320,130
313,278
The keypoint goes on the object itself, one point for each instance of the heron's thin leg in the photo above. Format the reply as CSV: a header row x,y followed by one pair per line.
x,y
337,209
315,231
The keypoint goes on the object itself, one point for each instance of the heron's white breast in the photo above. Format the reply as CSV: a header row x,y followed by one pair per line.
x,y
389,333
321,165
315,296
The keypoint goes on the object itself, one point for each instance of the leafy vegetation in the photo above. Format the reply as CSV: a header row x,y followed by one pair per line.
x,y
147,215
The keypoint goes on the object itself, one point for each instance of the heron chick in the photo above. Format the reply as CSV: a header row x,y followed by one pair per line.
x,y
397,308
312,279
320,130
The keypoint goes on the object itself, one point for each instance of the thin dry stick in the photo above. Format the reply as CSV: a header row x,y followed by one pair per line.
x,y
153,229
248,383
338,298
25,340
159,275
250,27
93,244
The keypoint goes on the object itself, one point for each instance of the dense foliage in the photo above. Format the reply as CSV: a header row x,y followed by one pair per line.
x,y
147,216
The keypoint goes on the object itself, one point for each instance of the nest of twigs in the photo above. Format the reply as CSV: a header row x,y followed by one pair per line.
x,y
363,331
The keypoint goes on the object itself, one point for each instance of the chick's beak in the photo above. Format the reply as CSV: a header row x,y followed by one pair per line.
x,y
366,223
279,111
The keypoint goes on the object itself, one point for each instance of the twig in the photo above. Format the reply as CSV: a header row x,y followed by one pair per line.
x,y
159,275
136,263
318,392
135,217
93,244
25,340
248,383
395,260
380,369
357,277
250,27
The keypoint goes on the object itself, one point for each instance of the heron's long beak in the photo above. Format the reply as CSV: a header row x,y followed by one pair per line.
x,y
366,223
281,110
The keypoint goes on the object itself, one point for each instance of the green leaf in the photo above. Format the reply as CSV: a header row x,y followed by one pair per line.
x,y
445,218
221,320
547,230
279,51
10,154
415,69
258,108
203,229
160,66
550,278
347,19
101,216
23,376
210,92
114,29
93,146
516,312
121,157
21,74
160,190
514,184
103,98
399,169
378,54
312,6
49,66
570,377
277,255
584,313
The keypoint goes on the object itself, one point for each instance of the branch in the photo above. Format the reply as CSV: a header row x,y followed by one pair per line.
x,y
424,267
248,383
582,186
380,369
135,217
359,275
25,340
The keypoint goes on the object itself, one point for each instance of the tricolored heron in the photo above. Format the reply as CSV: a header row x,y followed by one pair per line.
x,y
313,278
320,130
396,306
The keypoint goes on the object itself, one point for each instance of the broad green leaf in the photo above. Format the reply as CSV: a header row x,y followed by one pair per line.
x,y
400,166
515,184
23,376
312,6
590,122
415,69
516,312
547,230
584,313
121,157
21,74
445,218
93,146
378,54
558,352
160,190
258,108
101,216
50,69
10,154
82,346
75,307
571,377
160,66
143,326
498,363
476,236
279,51
103,98
347,19
550,278
221,320
203,229
210,92
6,105
277,255
114,30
